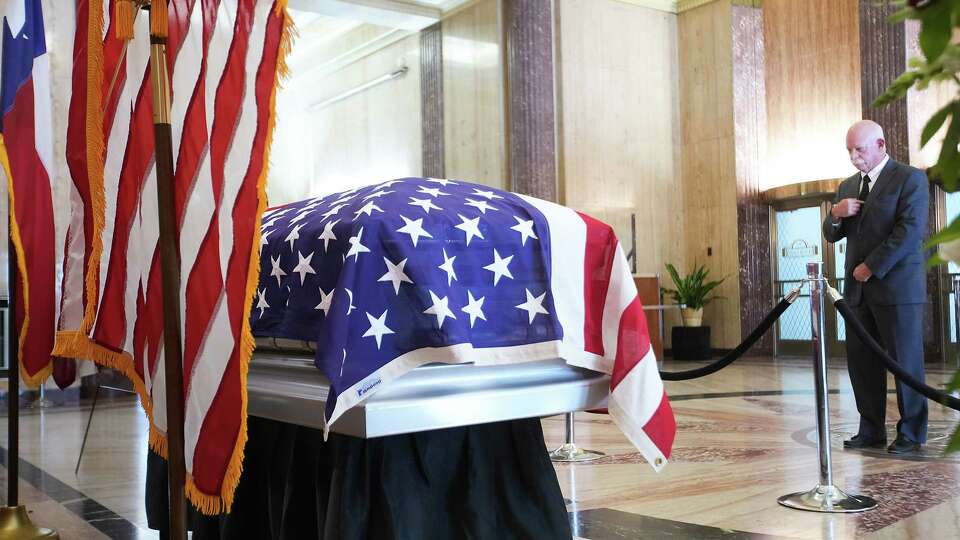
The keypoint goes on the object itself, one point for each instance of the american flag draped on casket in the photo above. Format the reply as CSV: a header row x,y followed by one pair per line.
x,y
391,276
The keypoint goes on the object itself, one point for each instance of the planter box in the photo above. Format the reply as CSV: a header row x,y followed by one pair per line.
x,y
691,342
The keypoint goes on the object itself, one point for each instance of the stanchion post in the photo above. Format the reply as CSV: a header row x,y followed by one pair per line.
x,y
569,451
956,309
825,497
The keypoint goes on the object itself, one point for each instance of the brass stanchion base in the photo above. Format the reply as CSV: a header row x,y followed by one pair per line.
x,y
570,452
827,499
15,524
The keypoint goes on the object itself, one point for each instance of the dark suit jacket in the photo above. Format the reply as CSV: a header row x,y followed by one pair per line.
x,y
887,234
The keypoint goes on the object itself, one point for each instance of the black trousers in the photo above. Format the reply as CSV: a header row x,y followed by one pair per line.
x,y
489,481
899,328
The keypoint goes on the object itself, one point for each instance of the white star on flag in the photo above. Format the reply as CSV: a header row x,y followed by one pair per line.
x,y
277,271
300,217
378,327
525,228
395,274
375,194
533,306
367,209
474,308
332,211
488,194
294,235
325,300
414,227
269,223
350,306
263,240
483,206
356,248
433,192
327,234
262,301
441,181
303,267
499,267
439,308
426,204
471,227
447,267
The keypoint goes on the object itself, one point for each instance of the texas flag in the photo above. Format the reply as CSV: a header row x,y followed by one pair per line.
x,y
26,151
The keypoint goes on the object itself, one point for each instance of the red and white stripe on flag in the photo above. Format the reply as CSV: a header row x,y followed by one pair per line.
x,y
225,58
604,327
26,152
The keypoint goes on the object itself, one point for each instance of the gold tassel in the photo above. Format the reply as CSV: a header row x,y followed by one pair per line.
x,y
158,18
124,14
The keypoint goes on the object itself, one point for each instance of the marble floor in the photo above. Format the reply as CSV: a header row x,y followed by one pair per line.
x,y
746,435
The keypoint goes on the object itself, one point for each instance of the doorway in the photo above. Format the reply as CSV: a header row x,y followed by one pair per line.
x,y
797,240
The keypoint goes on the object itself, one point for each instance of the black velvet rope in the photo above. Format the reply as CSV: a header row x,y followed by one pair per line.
x,y
728,359
928,391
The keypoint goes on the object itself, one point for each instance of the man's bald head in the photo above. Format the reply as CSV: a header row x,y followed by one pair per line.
x,y
866,145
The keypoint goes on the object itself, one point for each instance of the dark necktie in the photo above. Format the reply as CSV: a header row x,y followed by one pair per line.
x,y
865,188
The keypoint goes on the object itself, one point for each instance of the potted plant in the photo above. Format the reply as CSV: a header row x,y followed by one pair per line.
x,y
692,291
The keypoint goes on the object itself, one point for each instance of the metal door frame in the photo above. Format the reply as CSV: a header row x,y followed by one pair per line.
x,y
835,347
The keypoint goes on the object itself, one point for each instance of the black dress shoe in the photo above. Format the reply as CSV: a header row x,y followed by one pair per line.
x,y
903,445
859,441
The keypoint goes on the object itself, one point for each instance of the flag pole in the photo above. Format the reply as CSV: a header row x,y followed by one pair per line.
x,y
169,255
15,523
170,268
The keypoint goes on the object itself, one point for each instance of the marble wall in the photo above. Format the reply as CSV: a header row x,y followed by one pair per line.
x,y
708,159
473,89
813,88
619,123
374,134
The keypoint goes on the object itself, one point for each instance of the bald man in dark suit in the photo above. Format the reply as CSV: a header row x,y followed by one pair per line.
x,y
882,212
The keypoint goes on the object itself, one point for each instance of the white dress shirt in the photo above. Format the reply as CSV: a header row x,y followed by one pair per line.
x,y
874,173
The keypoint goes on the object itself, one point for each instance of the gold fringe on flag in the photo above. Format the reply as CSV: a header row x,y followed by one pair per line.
x,y
206,503
124,13
35,380
159,18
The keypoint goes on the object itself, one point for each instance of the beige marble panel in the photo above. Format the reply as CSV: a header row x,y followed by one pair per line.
x,y
620,123
813,87
473,99
708,160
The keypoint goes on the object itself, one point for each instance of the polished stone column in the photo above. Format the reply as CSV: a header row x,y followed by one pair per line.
x,y
531,112
753,215
431,99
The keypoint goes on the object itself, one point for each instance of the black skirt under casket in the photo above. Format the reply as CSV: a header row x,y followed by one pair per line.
x,y
488,481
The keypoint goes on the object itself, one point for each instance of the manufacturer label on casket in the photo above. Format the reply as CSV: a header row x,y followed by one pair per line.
x,y
368,384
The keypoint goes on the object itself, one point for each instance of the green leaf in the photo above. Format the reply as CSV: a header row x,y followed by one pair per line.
x,y
935,260
935,29
898,88
902,15
954,443
935,123
948,163
955,382
948,233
